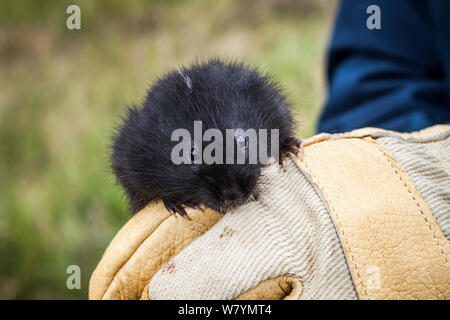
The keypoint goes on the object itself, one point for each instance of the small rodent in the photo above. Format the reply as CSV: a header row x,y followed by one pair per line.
x,y
220,95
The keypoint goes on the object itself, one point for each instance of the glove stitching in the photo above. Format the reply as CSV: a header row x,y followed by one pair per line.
x,y
341,229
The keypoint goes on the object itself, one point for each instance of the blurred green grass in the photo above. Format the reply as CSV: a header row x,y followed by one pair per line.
x,y
63,91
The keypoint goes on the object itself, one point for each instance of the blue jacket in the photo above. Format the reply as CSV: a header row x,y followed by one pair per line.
x,y
396,77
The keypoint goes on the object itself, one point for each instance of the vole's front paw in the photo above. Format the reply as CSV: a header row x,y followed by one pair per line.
x,y
175,208
292,145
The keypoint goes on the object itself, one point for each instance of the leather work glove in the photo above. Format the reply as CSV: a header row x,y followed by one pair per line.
x,y
361,215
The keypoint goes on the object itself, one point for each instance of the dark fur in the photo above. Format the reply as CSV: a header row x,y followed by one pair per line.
x,y
223,96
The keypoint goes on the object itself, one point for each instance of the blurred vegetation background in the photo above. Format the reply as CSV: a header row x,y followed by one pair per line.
x,y
62,91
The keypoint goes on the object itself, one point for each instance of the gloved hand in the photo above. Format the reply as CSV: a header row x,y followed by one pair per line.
x,y
281,246
362,215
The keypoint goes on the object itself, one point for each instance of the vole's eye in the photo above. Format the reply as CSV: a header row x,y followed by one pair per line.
x,y
242,142
194,154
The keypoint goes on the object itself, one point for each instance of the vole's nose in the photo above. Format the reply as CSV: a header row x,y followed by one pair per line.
x,y
231,195
235,195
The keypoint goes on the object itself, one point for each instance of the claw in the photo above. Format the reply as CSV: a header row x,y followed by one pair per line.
x,y
283,161
253,197
175,208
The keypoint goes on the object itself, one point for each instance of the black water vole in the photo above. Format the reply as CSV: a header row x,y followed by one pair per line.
x,y
220,95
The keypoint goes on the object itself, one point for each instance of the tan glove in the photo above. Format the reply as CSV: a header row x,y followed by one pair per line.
x,y
285,245
345,221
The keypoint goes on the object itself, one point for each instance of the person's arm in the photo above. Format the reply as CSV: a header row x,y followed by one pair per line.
x,y
396,77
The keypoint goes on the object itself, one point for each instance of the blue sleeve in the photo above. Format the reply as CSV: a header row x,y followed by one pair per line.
x,y
396,77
